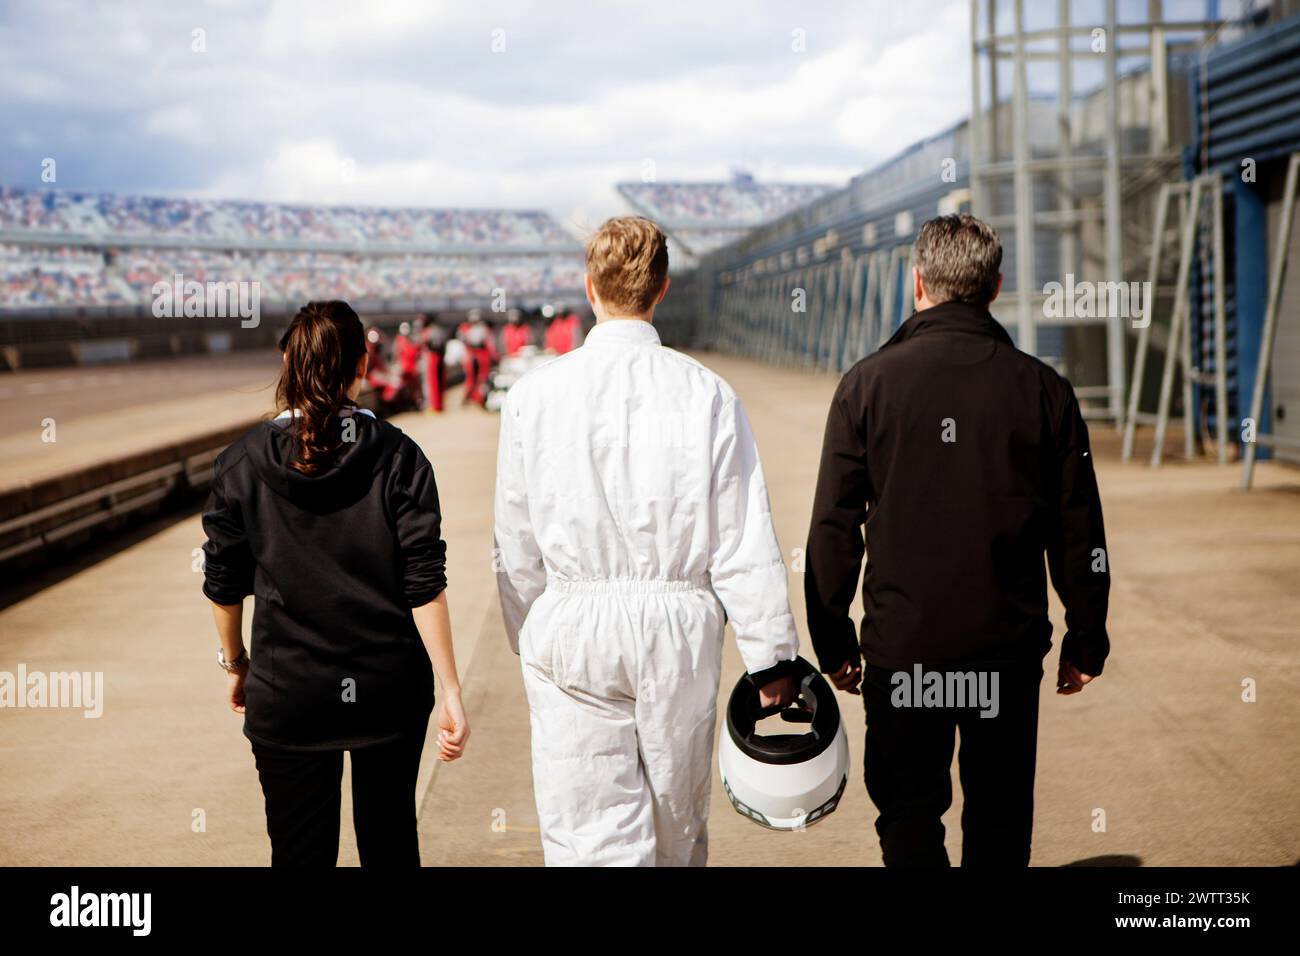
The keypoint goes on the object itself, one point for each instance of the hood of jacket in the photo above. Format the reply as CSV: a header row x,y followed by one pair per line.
x,y
345,479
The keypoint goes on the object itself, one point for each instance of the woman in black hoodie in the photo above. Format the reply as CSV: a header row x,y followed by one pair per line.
x,y
330,518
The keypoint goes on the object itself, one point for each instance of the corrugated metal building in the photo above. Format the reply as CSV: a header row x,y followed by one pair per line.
x,y
1246,123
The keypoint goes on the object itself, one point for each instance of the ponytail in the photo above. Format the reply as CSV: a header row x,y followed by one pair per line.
x,y
322,347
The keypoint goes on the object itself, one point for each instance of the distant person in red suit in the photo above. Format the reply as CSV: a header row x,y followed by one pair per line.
x,y
462,333
550,339
561,334
435,369
406,350
378,373
479,354
490,343
516,334
575,330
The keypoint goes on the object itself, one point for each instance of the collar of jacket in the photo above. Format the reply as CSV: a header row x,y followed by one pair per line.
x,y
622,332
951,317
347,411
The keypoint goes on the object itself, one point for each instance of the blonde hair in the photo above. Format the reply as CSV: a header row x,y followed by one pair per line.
x,y
627,259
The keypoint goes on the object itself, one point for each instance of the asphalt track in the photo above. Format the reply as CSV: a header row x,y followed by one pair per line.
x,y
1159,762
75,393
102,412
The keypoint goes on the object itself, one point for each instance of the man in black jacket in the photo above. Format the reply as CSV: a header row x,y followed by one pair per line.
x,y
966,460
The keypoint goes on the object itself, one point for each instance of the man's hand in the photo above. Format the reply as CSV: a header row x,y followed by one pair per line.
x,y
848,677
1069,679
778,693
235,688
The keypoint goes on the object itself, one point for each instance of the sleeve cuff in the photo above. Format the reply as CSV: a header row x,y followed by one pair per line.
x,y
419,597
775,672
224,596
829,663
1089,655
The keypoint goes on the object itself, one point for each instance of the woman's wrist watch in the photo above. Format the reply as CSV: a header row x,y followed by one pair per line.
x,y
231,666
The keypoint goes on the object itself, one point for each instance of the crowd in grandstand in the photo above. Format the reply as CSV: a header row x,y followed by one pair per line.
x,y
701,217
104,216
382,253
33,276
385,253
739,202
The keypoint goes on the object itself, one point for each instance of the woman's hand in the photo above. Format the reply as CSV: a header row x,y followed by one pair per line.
x,y
235,688
453,727
229,620
433,621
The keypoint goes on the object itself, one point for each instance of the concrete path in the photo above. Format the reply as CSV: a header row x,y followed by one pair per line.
x,y
1161,750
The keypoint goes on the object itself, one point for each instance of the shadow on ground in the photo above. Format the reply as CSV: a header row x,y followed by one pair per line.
x,y
1110,859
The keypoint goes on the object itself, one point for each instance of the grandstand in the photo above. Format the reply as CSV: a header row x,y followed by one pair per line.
x,y
701,217
87,254
108,218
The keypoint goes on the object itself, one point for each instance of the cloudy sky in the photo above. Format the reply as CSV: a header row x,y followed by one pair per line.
x,y
468,103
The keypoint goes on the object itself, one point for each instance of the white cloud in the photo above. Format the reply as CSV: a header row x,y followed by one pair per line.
x,y
412,95
180,122
330,26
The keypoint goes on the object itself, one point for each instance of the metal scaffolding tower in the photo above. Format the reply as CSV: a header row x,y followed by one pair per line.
x,y
1057,162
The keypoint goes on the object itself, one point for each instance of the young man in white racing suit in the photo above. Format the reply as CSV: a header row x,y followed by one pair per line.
x,y
632,521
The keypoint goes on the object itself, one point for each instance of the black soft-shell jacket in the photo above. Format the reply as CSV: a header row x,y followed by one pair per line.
x,y
335,564
967,460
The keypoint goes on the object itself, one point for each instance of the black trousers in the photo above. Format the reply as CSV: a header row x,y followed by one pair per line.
x,y
303,791
908,769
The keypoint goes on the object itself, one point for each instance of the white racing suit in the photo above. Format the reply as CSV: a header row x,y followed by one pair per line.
x,y
630,511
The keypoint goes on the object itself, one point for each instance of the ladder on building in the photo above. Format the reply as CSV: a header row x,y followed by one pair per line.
x,y
1178,350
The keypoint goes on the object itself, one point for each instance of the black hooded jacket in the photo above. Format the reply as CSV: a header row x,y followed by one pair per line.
x,y
967,460
335,563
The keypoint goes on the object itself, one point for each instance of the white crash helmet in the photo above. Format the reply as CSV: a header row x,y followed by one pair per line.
x,y
785,781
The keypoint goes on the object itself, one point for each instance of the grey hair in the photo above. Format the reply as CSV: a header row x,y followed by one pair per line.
x,y
959,258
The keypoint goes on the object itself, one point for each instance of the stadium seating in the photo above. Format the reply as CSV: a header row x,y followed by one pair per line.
x,y
117,247
704,205
706,216
32,277
107,216
294,251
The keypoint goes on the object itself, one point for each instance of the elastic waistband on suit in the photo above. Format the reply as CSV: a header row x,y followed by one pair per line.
x,y
627,585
